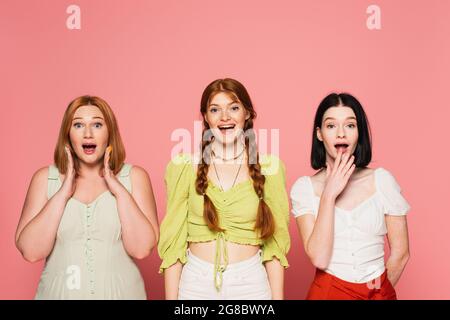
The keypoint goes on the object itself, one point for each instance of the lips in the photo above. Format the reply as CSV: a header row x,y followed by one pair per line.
x,y
89,148
341,146
226,129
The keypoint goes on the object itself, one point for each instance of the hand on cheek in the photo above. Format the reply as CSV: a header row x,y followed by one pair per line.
x,y
111,180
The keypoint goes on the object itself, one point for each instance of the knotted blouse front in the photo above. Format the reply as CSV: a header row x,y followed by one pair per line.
x,y
237,209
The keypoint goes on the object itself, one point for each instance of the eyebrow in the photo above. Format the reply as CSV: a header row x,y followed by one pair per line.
x,y
331,118
78,118
214,104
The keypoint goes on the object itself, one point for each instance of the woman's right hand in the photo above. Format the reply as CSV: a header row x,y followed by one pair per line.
x,y
338,174
68,186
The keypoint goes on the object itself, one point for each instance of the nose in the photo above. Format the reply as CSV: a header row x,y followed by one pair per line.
x,y
225,115
87,132
341,132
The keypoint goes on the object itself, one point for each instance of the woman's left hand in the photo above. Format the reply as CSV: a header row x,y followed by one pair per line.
x,y
112,182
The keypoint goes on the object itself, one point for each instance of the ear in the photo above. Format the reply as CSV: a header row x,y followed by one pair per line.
x,y
319,134
247,114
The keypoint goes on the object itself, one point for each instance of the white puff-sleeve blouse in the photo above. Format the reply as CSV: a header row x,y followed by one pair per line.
x,y
358,247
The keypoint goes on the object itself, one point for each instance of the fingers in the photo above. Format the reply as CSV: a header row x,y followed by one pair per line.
x,y
349,172
337,161
106,159
69,159
348,164
329,168
346,161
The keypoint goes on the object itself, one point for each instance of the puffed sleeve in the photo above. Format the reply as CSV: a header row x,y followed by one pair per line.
x,y
172,243
302,198
276,198
393,201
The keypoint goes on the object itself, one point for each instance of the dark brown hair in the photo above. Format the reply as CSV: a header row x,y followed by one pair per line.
x,y
363,151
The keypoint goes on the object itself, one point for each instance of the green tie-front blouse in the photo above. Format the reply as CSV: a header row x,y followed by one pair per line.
x,y
236,207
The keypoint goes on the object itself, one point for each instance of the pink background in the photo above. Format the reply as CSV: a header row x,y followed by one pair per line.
x,y
151,60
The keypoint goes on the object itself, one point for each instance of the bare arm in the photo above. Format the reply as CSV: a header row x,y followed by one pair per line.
x,y
38,224
40,218
318,234
172,277
399,244
275,273
137,211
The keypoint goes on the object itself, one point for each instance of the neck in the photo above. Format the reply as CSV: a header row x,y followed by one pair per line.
x,y
89,170
228,151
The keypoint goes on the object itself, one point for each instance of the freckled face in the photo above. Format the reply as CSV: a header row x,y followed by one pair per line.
x,y
89,134
226,117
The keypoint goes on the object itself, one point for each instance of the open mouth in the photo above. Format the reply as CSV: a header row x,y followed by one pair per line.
x,y
89,148
227,129
341,146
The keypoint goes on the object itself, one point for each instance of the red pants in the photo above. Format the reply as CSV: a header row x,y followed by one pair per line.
x,y
328,287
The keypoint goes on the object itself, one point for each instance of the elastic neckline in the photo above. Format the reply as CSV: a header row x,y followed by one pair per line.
x,y
362,203
124,172
236,186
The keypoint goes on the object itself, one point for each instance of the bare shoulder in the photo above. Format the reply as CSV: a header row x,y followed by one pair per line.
x,y
364,173
369,171
40,176
38,185
196,158
139,175
319,176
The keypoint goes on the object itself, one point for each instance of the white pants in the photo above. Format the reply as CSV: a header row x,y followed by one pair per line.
x,y
244,280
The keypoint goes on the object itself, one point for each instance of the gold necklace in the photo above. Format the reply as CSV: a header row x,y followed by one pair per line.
x,y
215,156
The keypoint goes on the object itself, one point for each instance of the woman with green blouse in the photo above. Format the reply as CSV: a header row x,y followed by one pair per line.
x,y
225,233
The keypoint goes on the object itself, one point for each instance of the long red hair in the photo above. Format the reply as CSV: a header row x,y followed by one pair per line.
x,y
265,223
118,153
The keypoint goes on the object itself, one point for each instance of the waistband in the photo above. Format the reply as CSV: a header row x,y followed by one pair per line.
x,y
217,267
325,276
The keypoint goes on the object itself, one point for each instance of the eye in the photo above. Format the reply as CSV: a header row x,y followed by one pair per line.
x,y
77,125
213,110
98,125
330,125
235,107
352,125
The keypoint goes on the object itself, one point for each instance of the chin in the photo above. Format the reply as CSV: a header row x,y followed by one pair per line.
x,y
90,160
228,139
231,140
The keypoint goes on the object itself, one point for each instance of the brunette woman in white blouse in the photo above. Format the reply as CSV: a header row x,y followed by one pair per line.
x,y
344,211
